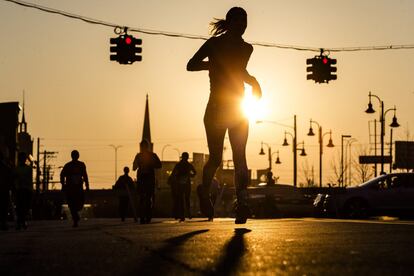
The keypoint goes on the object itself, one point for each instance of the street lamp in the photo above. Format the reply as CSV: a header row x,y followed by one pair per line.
x,y
270,155
394,123
116,158
269,149
320,141
277,157
295,153
342,159
302,150
285,143
348,145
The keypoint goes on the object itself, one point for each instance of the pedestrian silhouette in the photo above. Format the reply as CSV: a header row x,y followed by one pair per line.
x,y
228,55
72,177
5,187
146,162
181,187
269,179
23,188
124,186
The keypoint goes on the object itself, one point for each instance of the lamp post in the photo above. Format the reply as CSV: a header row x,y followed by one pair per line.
x,y
294,145
270,155
269,149
116,147
320,141
341,182
394,123
295,154
349,155
277,157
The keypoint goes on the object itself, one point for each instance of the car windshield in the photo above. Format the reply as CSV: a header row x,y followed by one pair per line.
x,y
373,180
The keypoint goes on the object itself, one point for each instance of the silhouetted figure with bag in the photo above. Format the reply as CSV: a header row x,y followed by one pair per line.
x,y
227,56
146,162
6,181
181,175
124,187
72,177
23,187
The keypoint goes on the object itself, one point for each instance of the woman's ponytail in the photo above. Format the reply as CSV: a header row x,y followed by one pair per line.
x,y
218,27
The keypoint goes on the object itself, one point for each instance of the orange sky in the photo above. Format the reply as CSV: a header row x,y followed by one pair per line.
x,y
77,98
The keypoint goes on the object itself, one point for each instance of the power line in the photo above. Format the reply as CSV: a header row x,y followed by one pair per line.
x,y
200,37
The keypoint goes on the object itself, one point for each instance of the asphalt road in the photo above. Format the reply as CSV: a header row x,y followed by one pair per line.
x,y
260,247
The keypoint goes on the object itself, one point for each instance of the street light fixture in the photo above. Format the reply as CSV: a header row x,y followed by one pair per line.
x,y
320,141
394,123
277,157
295,150
261,150
302,150
269,153
349,155
285,143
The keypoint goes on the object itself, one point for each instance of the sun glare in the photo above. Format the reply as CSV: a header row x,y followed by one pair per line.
x,y
254,109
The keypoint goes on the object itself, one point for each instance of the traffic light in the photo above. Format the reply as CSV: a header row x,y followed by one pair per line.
x,y
332,69
321,69
125,49
313,69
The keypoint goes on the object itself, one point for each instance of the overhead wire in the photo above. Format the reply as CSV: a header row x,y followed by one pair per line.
x,y
200,37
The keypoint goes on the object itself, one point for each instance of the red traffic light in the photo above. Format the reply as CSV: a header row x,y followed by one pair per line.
x,y
325,60
128,40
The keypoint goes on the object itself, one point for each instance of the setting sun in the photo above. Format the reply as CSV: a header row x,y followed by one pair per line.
x,y
253,108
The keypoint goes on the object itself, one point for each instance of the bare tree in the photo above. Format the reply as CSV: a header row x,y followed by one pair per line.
x,y
335,178
363,171
308,175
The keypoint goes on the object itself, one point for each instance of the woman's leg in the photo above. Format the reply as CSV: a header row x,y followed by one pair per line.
x,y
215,140
238,139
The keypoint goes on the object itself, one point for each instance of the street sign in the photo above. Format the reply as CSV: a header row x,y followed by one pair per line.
x,y
373,159
404,155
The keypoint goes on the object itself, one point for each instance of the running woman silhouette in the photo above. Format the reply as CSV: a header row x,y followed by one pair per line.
x,y
225,55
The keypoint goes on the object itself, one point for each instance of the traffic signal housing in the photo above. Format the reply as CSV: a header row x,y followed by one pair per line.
x,y
125,49
314,69
320,69
332,69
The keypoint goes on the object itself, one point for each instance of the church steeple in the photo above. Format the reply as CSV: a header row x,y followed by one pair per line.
x,y
146,131
23,124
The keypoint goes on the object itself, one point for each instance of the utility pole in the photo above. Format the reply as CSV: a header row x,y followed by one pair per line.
x,y
46,156
38,166
295,154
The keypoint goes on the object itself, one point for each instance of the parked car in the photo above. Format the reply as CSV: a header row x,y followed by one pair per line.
x,y
390,194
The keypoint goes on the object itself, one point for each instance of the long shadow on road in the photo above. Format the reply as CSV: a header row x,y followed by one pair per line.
x,y
164,261
155,262
233,252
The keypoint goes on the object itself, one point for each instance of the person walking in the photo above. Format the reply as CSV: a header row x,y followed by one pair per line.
x,y
182,174
23,187
124,187
227,56
145,163
72,177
